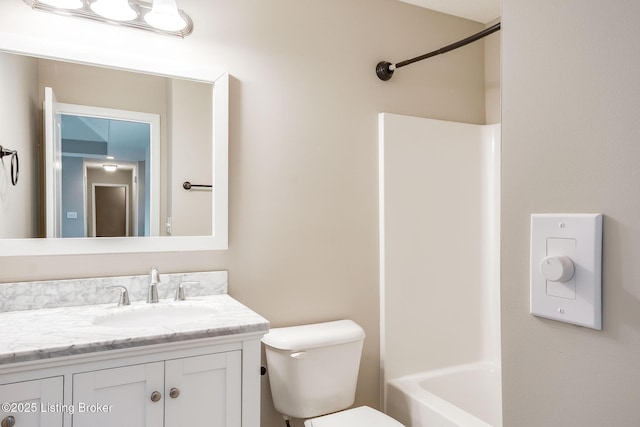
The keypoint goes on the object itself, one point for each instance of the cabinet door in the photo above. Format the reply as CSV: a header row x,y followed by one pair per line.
x,y
36,403
209,390
119,397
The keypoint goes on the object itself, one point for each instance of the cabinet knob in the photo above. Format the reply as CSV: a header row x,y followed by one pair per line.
x,y
8,421
156,396
174,392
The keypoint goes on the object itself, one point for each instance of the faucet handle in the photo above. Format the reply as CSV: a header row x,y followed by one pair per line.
x,y
155,275
124,294
180,290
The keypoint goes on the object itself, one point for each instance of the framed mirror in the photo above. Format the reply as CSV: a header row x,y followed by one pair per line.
x,y
153,190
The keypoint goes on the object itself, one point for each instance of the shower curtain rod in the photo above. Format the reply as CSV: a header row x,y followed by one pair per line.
x,y
385,69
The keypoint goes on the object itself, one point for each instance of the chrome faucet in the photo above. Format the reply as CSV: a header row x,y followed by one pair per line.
x,y
124,294
180,290
153,285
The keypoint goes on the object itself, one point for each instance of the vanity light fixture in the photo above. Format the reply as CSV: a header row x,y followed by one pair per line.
x,y
161,16
165,16
118,10
110,167
64,4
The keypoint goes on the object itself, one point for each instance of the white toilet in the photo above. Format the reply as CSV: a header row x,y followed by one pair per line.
x,y
313,371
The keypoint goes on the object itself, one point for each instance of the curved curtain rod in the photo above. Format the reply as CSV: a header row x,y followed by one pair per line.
x,y
385,69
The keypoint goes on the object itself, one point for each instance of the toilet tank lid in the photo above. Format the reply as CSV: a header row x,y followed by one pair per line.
x,y
314,335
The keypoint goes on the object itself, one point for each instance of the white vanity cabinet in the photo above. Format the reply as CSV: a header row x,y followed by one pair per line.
x,y
199,391
206,382
192,363
33,403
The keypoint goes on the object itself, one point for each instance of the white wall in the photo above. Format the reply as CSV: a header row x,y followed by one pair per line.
x,y
571,143
18,131
439,253
303,237
491,142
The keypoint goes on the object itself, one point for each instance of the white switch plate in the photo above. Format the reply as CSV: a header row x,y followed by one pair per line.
x,y
578,236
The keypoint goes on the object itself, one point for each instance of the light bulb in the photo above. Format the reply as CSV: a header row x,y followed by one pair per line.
x,y
164,16
64,4
117,10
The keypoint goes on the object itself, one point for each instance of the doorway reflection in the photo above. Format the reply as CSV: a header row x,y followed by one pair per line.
x,y
102,157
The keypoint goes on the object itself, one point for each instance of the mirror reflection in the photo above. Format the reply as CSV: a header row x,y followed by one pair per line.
x,y
153,132
105,177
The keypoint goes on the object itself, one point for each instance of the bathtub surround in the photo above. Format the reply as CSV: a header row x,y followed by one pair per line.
x,y
439,255
439,184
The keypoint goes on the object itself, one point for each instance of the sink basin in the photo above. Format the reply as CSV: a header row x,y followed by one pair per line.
x,y
153,315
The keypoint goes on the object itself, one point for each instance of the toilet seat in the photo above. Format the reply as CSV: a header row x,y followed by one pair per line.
x,y
362,416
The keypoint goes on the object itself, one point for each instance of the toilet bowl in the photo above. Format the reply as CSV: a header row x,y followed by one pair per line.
x,y
313,371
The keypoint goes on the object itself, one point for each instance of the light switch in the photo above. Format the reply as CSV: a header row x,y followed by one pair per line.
x,y
72,215
565,282
559,260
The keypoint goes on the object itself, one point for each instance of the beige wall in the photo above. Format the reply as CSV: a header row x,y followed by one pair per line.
x,y
190,113
18,131
303,145
571,143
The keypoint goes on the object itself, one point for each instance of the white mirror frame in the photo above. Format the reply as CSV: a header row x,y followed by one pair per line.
x,y
219,78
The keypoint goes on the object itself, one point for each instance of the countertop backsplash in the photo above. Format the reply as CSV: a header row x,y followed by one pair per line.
x,y
74,292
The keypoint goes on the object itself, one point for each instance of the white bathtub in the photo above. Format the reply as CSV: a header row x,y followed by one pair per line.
x,y
460,396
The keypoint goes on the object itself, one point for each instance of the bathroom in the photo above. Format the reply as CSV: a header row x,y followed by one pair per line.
x,y
303,170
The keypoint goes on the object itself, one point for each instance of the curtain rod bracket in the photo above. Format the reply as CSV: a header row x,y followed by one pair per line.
x,y
385,69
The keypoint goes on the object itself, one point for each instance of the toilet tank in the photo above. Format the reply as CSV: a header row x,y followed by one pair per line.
x,y
313,369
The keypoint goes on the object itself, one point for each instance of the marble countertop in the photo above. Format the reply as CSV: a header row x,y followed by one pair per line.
x,y
63,331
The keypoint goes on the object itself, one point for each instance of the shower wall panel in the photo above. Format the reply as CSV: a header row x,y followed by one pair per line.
x,y
439,207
